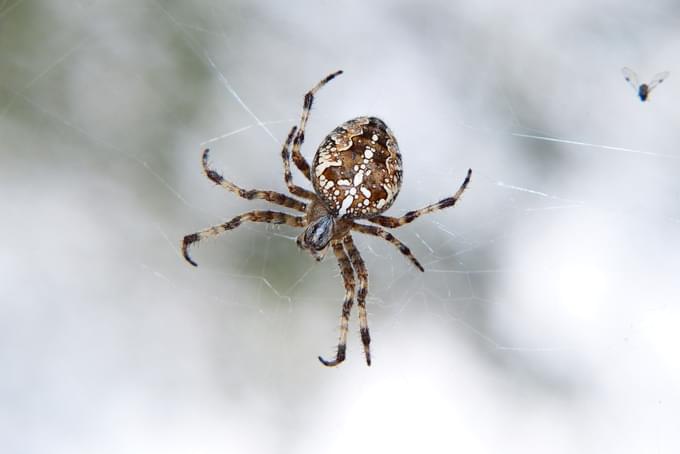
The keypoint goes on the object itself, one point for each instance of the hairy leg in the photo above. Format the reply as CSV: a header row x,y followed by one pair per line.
x,y
362,274
270,217
348,279
382,233
390,222
270,196
287,175
298,159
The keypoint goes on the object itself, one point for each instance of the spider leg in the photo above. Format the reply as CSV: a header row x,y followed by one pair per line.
x,y
385,235
270,196
362,274
287,175
390,222
348,278
298,159
270,217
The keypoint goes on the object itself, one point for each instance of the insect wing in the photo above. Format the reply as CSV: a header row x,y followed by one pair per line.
x,y
630,77
658,79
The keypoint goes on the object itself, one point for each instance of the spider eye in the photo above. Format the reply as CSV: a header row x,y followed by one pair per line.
x,y
319,234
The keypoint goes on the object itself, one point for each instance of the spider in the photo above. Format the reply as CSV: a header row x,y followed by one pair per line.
x,y
356,175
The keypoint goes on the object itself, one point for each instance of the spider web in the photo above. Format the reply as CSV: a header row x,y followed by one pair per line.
x,y
547,315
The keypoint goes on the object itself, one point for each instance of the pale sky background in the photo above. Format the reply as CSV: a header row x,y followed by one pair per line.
x,y
547,318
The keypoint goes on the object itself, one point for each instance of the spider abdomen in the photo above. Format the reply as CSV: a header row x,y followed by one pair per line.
x,y
357,169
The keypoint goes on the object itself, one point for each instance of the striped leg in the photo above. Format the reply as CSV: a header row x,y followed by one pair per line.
x,y
287,175
270,196
270,217
390,222
362,274
380,232
298,159
348,278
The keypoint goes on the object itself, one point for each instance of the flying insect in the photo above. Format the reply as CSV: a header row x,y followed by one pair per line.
x,y
643,90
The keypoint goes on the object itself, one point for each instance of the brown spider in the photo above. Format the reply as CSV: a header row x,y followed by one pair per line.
x,y
356,174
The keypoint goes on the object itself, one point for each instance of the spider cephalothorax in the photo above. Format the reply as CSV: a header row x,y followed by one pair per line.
x,y
356,174
321,228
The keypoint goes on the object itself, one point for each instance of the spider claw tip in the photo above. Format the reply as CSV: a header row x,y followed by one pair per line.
x,y
186,242
332,363
189,259
333,75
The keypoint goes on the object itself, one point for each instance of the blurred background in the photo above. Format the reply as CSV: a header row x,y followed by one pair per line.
x,y
547,318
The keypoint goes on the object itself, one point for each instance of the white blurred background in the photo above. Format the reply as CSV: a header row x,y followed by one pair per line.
x,y
547,318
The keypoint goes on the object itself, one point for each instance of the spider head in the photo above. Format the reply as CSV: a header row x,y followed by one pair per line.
x,y
317,236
